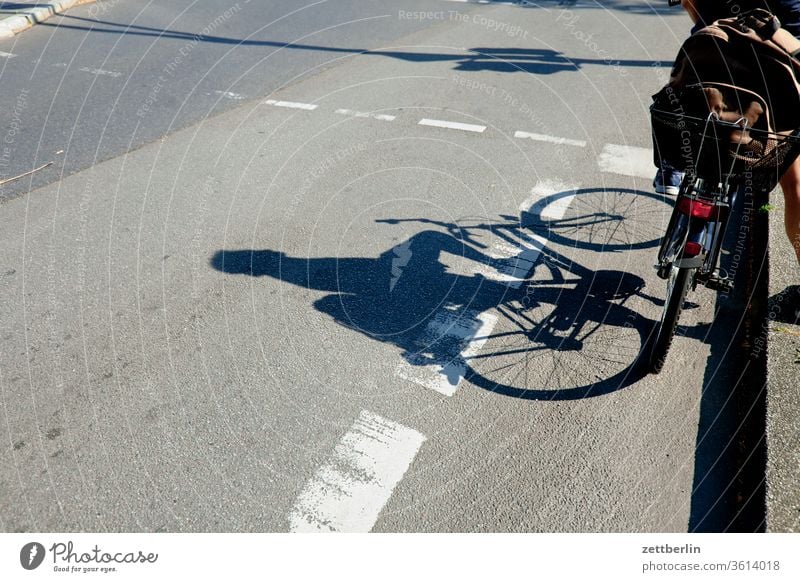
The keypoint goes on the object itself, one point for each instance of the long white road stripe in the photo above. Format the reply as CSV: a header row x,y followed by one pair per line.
x,y
627,160
550,139
447,342
291,104
348,493
453,125
352,113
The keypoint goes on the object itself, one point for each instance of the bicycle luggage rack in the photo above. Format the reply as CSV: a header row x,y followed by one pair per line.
x,y
685,143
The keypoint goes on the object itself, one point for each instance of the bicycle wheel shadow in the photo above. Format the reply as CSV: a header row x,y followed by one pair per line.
x,y
558,331
607,220
574,334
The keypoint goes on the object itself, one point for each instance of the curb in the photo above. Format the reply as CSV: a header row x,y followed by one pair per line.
x,y
783,387
25,18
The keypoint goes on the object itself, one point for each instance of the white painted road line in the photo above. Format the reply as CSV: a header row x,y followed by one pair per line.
x,y
6,55
509,264
229,95
100,72
348,493
554,210
515,261
291,104
447,341
546,188
627,160
550,139
352,113
511,273
494,3
453,125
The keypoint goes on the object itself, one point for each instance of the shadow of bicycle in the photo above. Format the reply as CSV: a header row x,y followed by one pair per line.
x,y
485,301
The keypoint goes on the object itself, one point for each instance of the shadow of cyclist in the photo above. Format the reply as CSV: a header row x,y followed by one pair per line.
x,y
386,298
427,296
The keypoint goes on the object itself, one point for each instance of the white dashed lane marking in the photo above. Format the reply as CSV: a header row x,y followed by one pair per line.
x,y
100,72
291,104
353,113
494,3
348,492
6,55
616,159
229,95
626,160
453,125
550,139
486,2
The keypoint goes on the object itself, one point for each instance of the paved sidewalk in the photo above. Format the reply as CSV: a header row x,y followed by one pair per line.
x,y
16,17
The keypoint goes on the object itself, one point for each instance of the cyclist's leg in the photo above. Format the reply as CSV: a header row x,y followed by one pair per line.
x,y
790,184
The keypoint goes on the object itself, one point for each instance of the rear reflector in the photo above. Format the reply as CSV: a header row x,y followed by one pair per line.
x,y
695,208
692,249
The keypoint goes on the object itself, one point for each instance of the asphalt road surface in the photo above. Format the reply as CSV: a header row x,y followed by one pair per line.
x,y
351,266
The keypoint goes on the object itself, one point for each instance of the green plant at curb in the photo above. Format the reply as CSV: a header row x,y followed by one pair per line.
x,y
766,208
787,331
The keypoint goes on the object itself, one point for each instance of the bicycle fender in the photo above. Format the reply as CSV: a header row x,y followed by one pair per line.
x,y
690,262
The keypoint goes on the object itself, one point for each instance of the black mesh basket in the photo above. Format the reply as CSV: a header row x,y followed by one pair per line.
x,y
693,141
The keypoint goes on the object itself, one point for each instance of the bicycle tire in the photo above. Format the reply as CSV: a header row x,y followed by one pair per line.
x,y
677,288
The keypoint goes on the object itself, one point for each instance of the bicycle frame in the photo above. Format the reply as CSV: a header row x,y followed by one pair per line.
x,y
693,238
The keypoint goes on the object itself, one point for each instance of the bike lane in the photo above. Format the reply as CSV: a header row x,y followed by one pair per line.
x,y
263,290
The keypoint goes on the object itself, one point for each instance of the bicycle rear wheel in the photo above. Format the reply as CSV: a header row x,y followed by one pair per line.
x,y
677,287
